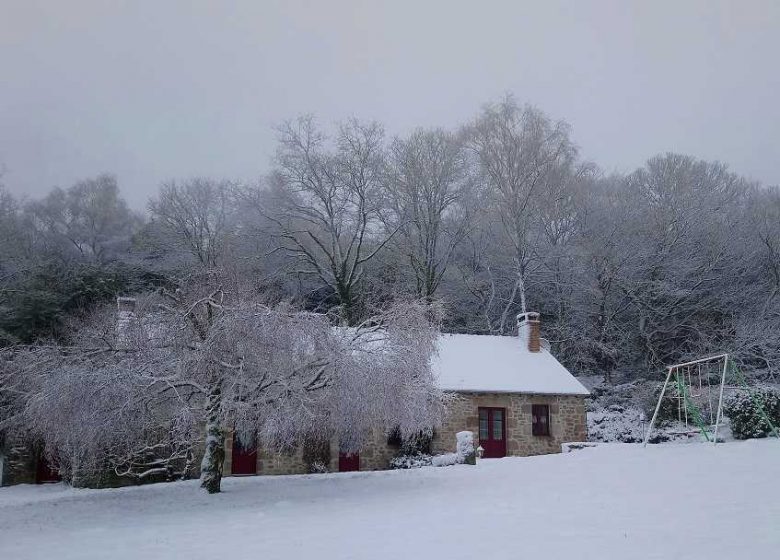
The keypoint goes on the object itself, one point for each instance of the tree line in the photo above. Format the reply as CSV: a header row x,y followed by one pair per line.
x,y
678,258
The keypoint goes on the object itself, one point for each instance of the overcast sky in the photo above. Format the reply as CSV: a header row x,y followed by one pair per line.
x,y
152,90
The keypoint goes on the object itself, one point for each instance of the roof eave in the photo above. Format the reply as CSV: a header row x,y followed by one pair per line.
x,y
505,392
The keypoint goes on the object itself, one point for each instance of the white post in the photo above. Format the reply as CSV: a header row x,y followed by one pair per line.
x,y
657,407
720,399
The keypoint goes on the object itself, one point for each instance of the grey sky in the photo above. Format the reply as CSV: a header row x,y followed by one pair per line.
x,y
155,90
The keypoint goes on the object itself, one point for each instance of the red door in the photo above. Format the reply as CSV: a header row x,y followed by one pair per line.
x,y
244,458
349,462
492,432
45,471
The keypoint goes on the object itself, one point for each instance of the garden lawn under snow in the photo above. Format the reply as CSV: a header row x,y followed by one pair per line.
x,y
612,501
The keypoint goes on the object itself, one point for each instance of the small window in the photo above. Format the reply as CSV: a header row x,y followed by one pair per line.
x,y
540,414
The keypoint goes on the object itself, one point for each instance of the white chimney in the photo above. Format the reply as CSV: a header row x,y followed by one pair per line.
x,y
124,320
528,326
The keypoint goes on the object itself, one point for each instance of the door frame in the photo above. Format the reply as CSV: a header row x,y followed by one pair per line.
x,y
502,447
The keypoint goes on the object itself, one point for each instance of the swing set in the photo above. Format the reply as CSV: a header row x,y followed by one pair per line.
x,y
698,400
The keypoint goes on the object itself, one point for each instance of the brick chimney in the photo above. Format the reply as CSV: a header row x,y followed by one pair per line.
x,y
528,330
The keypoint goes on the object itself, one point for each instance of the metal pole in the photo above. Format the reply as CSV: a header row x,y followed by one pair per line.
x,y
708,359
683,389
709,394
657,407
720,398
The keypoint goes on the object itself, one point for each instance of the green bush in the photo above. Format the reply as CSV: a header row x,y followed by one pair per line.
x,y
745,414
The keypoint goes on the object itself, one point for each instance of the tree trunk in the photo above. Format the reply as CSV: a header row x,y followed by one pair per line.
x,y
214,454
346,300
521,289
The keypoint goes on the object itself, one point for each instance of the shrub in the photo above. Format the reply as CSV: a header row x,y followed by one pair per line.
x,y
416,444
410,461
613,424
647,397
316,455
744,412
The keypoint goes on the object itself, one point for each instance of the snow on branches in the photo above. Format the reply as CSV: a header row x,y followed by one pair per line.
x,y
184,366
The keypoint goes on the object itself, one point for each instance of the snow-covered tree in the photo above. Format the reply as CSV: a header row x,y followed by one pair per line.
x,y
328,204
428,198
211,354
193,216
524,158
90,217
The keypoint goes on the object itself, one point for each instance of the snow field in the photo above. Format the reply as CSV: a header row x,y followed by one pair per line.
x,y
612,501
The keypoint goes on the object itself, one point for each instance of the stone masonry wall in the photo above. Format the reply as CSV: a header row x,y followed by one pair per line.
x,y
374,455
567,421
19,460
268,462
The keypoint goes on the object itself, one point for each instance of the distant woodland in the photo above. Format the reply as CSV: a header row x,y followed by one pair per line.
x,y
678,258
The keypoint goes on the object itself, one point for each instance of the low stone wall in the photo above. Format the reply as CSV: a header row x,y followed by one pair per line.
x,y
567,421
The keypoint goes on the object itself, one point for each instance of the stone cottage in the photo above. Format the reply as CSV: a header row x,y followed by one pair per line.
x,y
510,392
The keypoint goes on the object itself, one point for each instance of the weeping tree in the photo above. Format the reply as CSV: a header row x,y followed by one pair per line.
x,y
179,368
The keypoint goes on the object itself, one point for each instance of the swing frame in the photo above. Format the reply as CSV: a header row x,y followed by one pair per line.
x,y
684,397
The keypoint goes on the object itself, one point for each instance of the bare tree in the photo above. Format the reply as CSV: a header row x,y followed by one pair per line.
x,y
90,216
680,249
194,216
756,312
9,227
328,204
629,271
428,196
521,154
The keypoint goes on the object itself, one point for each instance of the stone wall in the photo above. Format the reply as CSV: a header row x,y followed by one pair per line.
x,y
567,421
269,462
374,455
19,462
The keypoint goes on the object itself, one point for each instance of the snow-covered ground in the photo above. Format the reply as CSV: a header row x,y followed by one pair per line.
x,y
612,501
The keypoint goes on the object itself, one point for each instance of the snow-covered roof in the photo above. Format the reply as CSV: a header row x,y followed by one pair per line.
x,y
500,364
